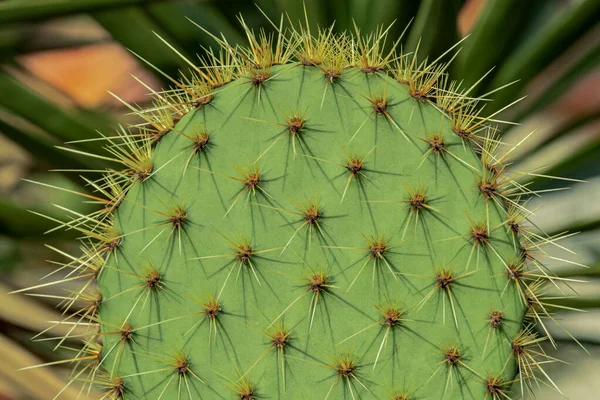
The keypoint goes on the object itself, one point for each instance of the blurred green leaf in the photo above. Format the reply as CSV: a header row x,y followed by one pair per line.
x,y
583,64
64,125
35,383
133,28
315,9
370,15
563,130
19,40
434,28
579,226
580,303
339,12
388,11
16,221
42,148
499,26
543,47
10,254
12,11
569,272
172,19
360,11
581,164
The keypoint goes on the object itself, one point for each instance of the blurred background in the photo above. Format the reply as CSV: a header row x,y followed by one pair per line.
x,y
60,58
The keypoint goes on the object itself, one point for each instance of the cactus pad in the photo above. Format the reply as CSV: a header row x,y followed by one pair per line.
x,y
309,217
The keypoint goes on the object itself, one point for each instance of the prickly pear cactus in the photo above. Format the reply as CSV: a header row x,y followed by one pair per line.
x,y
308,217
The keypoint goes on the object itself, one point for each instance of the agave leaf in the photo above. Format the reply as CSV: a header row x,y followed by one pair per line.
x,y
563,130
317,12
13,11
172,19
569,272
40,147
19,222
315,9
64,125
584,64
26,312
581,164
360,10
499,26
369,15
578,226
132,27
579,302
434,28
543,47
10,254
587,341
37,382
338,11
388,11
19,40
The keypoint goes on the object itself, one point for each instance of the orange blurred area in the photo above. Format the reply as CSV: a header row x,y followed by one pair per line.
x,y
87,74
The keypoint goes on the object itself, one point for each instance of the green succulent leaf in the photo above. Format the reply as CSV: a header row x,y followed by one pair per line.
x,y
434,29
43,149
492,38
64,125
131,26
13,11
541,48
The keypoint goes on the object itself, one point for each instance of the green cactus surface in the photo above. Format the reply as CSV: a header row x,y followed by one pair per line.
x,y
308,218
